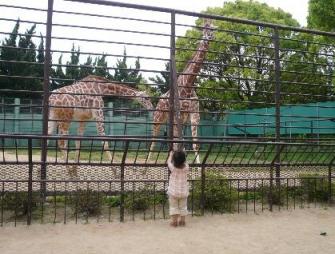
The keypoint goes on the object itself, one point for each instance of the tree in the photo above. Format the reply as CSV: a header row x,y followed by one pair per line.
x,y
126,74
240,68
162,82
19,61
321,14
101,65
72,69
87,68
58,75
40,58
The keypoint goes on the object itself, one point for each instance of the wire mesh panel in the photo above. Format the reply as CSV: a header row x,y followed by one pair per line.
x,y
252,104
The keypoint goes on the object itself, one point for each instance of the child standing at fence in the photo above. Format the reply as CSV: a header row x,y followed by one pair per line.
x,y
178,187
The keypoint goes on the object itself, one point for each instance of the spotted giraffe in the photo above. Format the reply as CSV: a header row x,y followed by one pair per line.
x,y
83,101
189,104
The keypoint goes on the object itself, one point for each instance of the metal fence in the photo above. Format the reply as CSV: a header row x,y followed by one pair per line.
x,y
227,66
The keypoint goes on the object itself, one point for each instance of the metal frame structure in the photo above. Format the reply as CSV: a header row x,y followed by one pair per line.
x,y
269,156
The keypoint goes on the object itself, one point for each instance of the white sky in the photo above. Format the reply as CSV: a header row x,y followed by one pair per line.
x,y
298,9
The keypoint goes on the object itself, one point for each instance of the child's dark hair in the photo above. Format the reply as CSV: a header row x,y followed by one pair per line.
x,y
178,158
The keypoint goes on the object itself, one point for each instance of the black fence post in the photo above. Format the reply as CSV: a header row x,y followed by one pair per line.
x,y
277,99
30,181
330,183
122,181
203,180
174,117
47,67
330,180
270,197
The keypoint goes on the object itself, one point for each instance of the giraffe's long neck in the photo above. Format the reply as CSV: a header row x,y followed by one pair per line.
x,y
116,89
103,86
186,80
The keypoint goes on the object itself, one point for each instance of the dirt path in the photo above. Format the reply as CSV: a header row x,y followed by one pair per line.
x,y
279,232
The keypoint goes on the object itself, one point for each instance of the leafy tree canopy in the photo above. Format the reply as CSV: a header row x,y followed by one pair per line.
x,y
239,71
321,14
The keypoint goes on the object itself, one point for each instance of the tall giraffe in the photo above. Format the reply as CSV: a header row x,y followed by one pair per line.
x,y
189,104
83,101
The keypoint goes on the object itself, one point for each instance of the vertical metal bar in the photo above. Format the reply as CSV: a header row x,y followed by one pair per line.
x,y
203,186
172,76
192,198
329,184
87,199
122,181
287,189
47,68
271,187
330,179
174,94
165,195
110,203
203,180
238,195
133,201
154,200
294,187
16,201
90,152
65,202
76,205
277,96
30,181
279,195
247,195
99,208
3,148
254,189
55,203
262,195
16,151
137,151
230,198
315,191
218,153
2,197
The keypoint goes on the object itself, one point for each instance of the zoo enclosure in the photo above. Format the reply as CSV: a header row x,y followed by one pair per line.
x,y
269,78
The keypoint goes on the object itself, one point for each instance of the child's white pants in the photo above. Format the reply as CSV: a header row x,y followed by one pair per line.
x,y
178,206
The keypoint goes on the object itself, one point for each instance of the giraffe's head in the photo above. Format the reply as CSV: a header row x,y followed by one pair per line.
x,y
144,99
208,31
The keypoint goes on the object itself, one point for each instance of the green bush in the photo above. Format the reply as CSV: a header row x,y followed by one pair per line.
x,y
219,196
18,201
276,195
86,202
112,201
143,199
314,188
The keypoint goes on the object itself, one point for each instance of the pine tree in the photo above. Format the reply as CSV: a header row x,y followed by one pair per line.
x,y
101,69
58,75
19,55
87,68
40,58
162,82
126,74
72,70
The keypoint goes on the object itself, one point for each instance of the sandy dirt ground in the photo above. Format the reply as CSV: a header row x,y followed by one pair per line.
x,y
286,232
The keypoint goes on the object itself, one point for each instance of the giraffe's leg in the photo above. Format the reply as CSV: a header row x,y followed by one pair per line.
x,y
155,131
52,124
63,145
99,117
195,120
78,143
